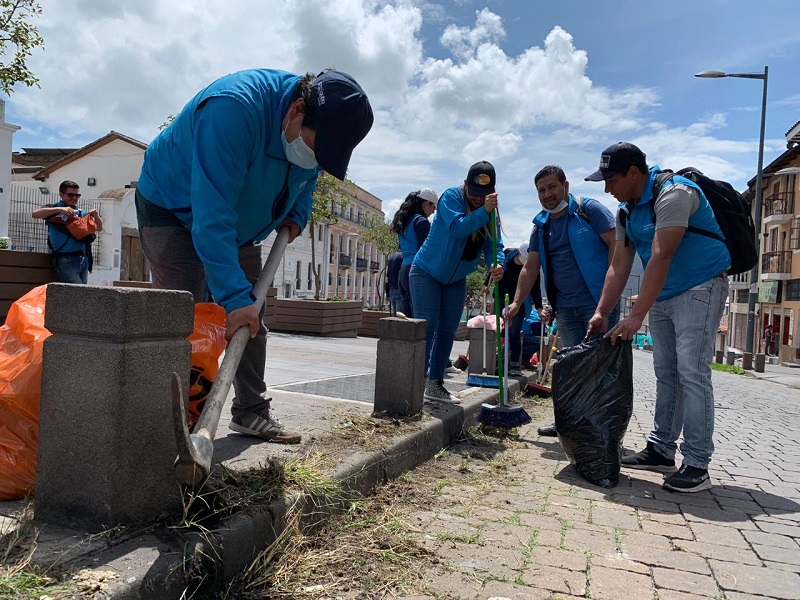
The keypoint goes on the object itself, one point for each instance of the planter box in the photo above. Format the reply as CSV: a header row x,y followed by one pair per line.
x,y
20,272
462,333
370,320
340,319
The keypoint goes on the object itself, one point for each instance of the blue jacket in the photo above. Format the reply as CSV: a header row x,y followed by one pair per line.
x,y
591,252
698,257
409,239
60,240
221,169
442,254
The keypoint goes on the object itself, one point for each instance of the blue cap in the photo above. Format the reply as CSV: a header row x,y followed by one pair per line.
x,y
342,117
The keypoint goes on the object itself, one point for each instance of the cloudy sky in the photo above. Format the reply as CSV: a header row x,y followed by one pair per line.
x,y
521,83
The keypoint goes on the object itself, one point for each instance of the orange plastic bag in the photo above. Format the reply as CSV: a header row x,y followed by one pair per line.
x,y
208,342
21,340
81,227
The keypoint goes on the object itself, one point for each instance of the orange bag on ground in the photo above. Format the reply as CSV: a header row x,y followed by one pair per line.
x,y
21,340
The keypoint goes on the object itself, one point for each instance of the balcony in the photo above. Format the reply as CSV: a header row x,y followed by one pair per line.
x,y
776,265
362,264
779,208
374,265
345,260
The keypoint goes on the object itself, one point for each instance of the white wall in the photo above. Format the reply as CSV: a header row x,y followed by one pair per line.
x,y
6,134
113,165
117,212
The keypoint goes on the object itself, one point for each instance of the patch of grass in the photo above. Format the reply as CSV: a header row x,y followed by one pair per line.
x,y
735,369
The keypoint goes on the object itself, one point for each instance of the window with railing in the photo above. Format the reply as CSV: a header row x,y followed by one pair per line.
x,y
791,290
779,261
779,203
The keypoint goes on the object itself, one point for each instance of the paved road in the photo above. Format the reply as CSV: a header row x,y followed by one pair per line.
x,y
527,519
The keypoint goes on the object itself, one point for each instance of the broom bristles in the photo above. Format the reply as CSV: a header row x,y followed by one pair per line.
x,y
500,415
490,381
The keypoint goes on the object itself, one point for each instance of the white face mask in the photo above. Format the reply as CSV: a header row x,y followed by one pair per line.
x,y
297,152
561,206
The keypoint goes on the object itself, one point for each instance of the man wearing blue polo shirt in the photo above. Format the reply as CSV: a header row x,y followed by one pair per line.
x,y
240,160
684,288
570,241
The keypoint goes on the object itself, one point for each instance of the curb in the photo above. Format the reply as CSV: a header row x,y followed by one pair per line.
x,y
149,569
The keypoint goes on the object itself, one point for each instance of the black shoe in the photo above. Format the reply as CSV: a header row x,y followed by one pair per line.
x,y
649,459
513,370
687,480
548,430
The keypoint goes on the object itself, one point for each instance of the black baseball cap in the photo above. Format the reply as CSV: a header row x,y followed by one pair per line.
x,y
481,179
619,157
342,117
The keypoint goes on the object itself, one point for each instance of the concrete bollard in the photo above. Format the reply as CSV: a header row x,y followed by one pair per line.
x,y
747,361
106,440
400,366
476,350
719,356
760,359
731,359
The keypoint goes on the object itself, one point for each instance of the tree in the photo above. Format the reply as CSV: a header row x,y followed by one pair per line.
x,y
379,233
475,289
20,37
330,197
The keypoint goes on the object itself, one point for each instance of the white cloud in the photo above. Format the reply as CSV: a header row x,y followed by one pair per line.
x,y
114,64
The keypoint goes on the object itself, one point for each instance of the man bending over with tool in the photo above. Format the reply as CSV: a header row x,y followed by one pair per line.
x,y
240,160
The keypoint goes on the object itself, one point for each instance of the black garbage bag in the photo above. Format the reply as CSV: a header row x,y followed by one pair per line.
x,y
593,402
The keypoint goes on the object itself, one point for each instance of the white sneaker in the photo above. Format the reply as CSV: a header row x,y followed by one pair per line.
x,y
453,370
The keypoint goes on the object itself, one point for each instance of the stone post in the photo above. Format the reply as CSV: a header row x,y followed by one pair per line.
x,y
758,366
400,366
718,356
731,358
106,440
476,352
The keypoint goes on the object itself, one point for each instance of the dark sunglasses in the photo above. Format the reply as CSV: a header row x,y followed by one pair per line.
x,y
71,195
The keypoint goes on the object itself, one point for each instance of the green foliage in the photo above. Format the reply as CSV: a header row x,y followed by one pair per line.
x,y
330,196
379,233
18,38
170,118
475,289
736,370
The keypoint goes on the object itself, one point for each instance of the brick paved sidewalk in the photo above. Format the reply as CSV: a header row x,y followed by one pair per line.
x,y
525,526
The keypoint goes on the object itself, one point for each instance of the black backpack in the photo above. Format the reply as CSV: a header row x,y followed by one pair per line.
x,y
731,212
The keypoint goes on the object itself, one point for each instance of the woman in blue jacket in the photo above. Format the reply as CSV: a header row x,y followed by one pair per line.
x,y
439,272
411,225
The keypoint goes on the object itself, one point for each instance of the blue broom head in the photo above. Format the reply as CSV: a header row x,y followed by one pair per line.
x,y
488,381
500,415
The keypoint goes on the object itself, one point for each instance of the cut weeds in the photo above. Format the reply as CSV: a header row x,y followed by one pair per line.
x,y
384,545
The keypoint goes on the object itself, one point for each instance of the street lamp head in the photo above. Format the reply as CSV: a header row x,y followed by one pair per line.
x,y
711,74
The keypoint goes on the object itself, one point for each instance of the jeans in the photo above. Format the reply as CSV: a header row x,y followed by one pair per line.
x,y
174,265
395,301
441,305
573,322
406,305
513,333
71,268
683,329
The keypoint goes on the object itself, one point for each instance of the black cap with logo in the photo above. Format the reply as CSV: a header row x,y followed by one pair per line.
x,y
619,157
481,179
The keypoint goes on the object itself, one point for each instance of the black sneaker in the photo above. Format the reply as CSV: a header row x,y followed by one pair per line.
x,y
548,430
436,392
649,459
513,370
687,480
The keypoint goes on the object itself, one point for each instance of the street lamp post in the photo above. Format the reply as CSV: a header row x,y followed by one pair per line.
x,y
747,358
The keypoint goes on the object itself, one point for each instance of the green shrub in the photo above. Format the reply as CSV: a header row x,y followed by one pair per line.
x,y
736,370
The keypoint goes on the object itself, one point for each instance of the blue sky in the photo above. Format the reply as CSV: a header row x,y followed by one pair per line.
x,y
520,83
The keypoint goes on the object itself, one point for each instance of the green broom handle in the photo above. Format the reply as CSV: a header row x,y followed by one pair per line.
x,y
497,310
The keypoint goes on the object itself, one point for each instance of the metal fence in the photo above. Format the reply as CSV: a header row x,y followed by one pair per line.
x,y
30,234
